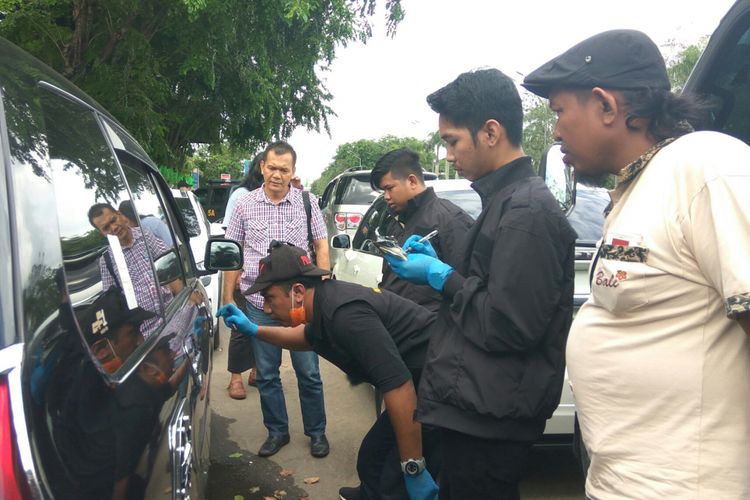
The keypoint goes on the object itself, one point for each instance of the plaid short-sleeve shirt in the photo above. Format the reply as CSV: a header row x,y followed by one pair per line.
x,y
141,274
256,221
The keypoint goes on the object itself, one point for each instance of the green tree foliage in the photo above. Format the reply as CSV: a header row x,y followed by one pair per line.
x,y
366,152
212,161
179,72
680,66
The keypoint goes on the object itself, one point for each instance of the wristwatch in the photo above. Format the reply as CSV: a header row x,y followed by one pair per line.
x,y
413,466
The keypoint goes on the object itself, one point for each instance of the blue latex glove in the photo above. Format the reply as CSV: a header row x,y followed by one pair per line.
x,y
421,269
421,486
236,320
425,248
198,324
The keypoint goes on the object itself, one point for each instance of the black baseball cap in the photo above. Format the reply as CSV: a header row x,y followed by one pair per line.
x,y
617,59
108,312
284,262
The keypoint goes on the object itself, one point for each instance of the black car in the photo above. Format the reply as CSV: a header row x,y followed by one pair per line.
x,y
105,341
213,196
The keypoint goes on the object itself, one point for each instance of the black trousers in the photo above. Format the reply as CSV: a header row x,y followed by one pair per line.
x,y
379,463
240,356
481,468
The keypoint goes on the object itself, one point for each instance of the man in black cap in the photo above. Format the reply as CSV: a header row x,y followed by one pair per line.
x,y
495,367
657,357
373,336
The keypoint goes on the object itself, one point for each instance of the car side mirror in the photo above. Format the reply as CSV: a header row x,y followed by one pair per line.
x,y
223,254
559,177
168,267
341,241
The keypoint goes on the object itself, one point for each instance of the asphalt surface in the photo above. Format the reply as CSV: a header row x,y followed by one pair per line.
x,y
237,432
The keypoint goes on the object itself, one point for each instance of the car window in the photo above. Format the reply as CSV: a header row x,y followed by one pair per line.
x,y
466,199
189,217
371,227
355,190
327,194
728,86
587,216
89,189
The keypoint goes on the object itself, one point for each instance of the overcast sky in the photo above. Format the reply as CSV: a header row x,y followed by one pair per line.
x,y
380,88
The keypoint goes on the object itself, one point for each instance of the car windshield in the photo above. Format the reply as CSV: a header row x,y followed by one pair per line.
x,y
467,199
587,216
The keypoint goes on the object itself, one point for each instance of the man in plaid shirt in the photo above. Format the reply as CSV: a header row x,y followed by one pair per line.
x,y
276,212
133,242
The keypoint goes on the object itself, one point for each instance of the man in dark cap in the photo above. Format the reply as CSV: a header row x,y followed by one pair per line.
x,y
657,357
373,336
495,366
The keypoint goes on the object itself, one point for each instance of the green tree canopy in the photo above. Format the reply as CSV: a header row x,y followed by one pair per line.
x,y
179,72
364,153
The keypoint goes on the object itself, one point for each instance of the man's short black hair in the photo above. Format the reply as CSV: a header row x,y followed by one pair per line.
x,y
183,184
97,209
401,163
477,96
281,148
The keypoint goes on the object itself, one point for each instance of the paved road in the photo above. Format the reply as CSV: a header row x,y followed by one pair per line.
x,y
237,433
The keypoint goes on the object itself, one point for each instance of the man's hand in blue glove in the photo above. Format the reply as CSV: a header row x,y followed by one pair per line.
x,y
426,248
236,320
421,269
421,486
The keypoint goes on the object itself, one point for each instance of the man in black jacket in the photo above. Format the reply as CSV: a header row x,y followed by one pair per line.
x,y
419,211
495,365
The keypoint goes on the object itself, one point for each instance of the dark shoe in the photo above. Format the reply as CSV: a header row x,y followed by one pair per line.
x,y
349,493
272,445
319,446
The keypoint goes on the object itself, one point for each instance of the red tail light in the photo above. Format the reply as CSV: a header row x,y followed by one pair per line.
x,y
346,220
10,489
340,219
353,220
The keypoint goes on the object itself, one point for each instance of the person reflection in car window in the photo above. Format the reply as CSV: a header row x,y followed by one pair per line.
x,y
133,243
150,223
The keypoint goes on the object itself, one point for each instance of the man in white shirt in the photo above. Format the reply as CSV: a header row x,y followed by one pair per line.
x,y
659,357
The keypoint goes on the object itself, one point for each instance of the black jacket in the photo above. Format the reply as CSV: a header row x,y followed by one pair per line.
x,y
496,360
424,213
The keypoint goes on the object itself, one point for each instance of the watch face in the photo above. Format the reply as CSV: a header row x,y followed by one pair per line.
x,y
412,467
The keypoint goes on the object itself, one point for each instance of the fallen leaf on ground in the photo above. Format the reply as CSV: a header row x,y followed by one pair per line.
x,y
235,455
311,480
279,494
286,472
239,497
269,498
255,489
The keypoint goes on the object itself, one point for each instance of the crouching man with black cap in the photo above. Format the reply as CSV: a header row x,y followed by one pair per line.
x,y
373,336
659,356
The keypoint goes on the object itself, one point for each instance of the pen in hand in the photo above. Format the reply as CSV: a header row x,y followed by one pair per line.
x,y
424,238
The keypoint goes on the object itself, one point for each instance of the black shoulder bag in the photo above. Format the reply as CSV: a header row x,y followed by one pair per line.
x,y
308,212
